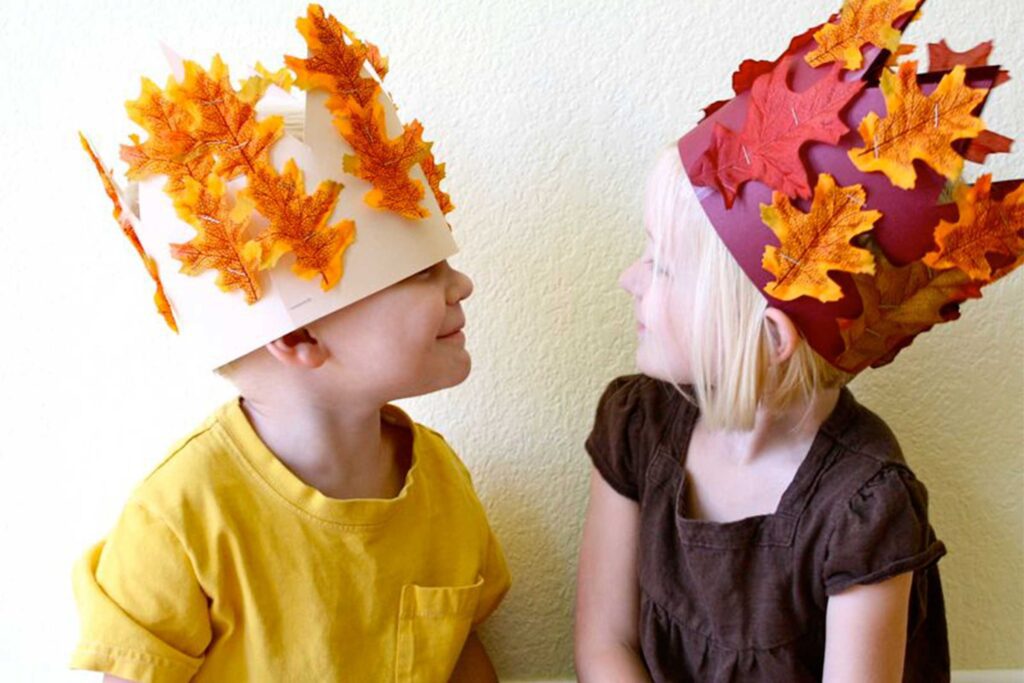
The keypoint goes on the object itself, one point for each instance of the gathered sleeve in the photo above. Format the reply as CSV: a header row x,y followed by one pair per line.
x,y
880,532
616,444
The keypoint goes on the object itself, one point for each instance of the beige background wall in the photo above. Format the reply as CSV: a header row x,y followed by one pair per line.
x,y
549,114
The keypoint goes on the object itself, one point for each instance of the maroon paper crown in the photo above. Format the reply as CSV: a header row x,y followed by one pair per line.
x,y
790,143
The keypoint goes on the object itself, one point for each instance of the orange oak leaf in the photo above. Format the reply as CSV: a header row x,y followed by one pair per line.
x,y
225,124
335,64
985,226
779,122
254,87
942,58
814,243
899,53
383,161
435,174
298,223
898,304
170,149
918,126
125,220
221,242
378,61
860,22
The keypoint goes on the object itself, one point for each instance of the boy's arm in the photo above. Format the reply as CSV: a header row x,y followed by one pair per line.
x,y
474,666
607,595
866,632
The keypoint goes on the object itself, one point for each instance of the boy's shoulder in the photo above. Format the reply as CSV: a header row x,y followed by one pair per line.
x,y
194,468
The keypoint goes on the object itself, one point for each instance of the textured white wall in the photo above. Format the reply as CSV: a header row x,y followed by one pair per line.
x,y
549,115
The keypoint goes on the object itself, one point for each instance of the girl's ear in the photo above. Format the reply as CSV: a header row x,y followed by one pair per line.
x,y
298,349
783,335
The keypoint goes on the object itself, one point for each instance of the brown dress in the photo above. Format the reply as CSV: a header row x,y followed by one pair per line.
x,y
745,600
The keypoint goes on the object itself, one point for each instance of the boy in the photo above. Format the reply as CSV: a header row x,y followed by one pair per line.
x,y
307,530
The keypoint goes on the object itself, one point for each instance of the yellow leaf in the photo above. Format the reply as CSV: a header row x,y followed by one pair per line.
x,y
860,22
985,226
814,243
918,126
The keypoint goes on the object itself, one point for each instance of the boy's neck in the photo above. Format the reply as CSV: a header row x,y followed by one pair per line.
x,y
344,453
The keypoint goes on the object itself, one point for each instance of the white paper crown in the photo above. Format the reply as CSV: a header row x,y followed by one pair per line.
x,y
227,178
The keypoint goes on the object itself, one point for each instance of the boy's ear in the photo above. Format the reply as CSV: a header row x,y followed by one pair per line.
x,y
298,349
783,335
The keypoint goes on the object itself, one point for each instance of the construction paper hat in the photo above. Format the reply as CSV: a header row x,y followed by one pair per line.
x,y
834,179
267,205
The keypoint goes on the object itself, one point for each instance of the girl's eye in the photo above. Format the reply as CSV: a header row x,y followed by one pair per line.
x,y
662,272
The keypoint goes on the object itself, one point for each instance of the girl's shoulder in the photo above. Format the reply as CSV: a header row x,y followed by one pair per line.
x,y
635,416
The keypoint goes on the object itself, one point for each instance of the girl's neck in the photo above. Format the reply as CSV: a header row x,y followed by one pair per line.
x,y
344,450
775,431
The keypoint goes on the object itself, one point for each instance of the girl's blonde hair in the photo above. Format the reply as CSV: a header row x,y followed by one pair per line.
x,y
730,343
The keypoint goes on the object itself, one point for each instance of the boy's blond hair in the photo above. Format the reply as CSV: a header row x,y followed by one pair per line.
x,y
729,345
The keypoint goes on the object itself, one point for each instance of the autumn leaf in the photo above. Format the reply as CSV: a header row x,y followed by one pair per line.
x,y
378,61
918,126
987,142
814,243
125,221
985,226
334,64
254,87
898,304
435,174
899,53
383,161
861,22
221,242
779,122
750,70
170,149
298,223
942,58
225,124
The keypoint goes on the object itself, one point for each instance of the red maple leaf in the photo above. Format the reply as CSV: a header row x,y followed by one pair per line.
x,y
751,69
779,122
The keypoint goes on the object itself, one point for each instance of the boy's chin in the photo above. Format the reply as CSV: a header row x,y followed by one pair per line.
x,y
451,375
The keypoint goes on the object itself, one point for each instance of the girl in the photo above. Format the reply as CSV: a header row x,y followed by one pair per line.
x,y
749,520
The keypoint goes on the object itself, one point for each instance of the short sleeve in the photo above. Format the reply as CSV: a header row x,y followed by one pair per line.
x,y
143,614
613,444
497,580
882,531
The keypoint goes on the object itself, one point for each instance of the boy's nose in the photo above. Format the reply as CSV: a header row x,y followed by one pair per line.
x,y
460,286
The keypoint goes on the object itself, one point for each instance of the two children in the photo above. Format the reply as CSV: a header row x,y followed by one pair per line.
x,y
749,520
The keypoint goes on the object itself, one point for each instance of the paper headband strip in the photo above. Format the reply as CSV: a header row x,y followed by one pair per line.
x,y
206,139
834,178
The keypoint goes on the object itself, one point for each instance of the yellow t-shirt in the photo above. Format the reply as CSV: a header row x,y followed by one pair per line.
x,y
224,566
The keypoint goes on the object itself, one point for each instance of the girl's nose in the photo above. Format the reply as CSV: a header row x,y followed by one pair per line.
x,y
629,280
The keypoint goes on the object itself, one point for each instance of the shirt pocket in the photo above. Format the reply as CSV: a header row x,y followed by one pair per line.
x,y
433,623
